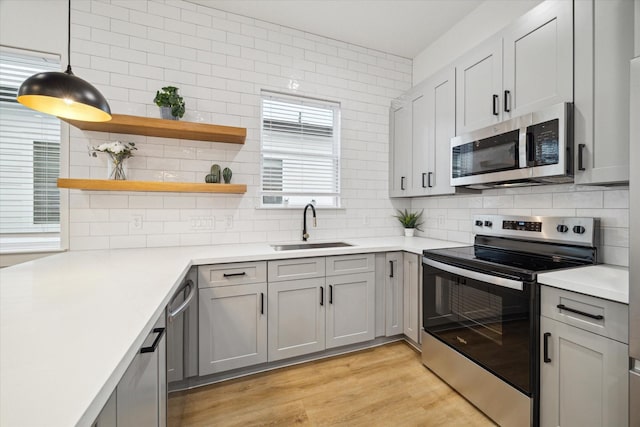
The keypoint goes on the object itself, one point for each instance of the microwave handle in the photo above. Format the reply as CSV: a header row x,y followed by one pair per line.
x,y
475,275
531,150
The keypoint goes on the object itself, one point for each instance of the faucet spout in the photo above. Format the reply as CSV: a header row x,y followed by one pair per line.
x,y
305,234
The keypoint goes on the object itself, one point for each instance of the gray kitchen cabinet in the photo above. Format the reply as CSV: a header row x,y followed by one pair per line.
x,y
478,83
141,397
400,147
584,371
603,48
412,303
296,317
233,327
394,295
524,68
108,415
350,309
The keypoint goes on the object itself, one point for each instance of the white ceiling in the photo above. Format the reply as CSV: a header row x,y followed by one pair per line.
x,y
400,27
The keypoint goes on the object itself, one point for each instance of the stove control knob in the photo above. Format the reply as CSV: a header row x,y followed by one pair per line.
x,y
488,224
562,228
478,223
578,229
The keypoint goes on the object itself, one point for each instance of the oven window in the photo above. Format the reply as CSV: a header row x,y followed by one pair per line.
x,y
488,155
489,324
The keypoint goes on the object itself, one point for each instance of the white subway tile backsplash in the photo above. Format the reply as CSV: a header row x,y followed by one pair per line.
x,y
578,199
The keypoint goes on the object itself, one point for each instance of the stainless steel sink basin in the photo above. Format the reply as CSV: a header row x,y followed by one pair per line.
x,y
296,246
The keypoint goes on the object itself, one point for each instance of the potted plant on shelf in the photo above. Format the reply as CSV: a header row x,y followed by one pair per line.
x,y
411,221
171,104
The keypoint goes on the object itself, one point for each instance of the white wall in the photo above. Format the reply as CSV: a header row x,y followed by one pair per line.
x,y
484,21
221,61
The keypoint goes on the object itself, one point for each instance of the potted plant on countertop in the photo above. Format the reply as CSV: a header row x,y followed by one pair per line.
x,y
171,104
411,221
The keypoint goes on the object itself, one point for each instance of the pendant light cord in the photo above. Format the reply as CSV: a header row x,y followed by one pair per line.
x,y
69,41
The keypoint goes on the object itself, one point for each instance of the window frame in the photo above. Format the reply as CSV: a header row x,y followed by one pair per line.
x,y
336,130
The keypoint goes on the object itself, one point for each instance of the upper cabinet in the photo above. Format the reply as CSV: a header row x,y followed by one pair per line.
x,y
524,68
422,125
603,49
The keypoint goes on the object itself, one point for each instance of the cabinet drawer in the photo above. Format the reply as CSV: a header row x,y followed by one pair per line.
x,y
293,269
603,317
348,264
232,274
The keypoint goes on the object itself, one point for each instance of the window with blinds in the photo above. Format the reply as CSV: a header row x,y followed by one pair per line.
x,y
29,160
300,152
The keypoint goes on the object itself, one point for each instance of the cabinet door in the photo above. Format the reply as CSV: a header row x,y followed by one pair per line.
x,y
422,143
585,383
107,417
232,327
411,291
538,59
442,120
139,393
400,149
394,296
350,314
478,86
296,317
603,49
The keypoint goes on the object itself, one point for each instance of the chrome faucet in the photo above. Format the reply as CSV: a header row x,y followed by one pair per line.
x,y
305,235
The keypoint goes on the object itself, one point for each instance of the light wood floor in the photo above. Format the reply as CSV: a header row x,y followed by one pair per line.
x,y
383,386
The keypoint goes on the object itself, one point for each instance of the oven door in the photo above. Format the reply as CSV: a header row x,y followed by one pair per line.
x,y
486,318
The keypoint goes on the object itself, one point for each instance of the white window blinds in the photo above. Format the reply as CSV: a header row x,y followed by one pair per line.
x,y
300,151
29,160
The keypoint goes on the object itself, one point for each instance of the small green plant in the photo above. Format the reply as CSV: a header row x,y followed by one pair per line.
x,y
168,97
410,219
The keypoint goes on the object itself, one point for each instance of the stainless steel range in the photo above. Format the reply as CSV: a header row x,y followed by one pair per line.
x,y
481,307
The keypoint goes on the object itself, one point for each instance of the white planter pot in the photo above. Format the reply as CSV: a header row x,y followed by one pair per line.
x,y
408,232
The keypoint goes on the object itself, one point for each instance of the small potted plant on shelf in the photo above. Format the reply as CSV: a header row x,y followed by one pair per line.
x,y
171,104
411,221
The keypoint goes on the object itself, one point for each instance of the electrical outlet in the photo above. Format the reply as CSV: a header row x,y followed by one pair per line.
x,y
202,223
136,222
229,222
441,220
365,220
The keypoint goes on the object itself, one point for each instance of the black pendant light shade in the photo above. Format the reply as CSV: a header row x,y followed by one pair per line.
x,y
64,94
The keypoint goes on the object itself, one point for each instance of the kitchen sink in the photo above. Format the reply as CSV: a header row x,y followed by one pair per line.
x,y
296,246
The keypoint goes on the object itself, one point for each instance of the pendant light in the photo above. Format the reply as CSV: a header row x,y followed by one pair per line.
x,y
64,94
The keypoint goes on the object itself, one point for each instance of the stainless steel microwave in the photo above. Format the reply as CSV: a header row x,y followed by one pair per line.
x,y
535,148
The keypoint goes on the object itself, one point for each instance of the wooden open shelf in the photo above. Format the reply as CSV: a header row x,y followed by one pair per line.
x,y
121,123
173,187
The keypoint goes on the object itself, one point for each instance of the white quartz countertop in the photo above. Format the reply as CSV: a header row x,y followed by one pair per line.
x,y
602,281
71,323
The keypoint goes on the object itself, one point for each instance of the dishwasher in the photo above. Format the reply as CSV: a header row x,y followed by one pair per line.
x,y
182,345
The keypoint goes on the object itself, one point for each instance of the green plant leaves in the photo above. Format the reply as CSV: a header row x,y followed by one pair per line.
x,y
410,219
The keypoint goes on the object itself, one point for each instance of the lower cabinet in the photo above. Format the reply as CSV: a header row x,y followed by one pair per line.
x,y
411,294
233,327
583,374
296,317
394,294
140,399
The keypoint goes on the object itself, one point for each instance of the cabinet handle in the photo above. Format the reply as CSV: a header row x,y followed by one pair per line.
x,y
582,313
494,105
424,175
391,268
429,176
507,101
402,183
330,294
152,347
581,148
321,295
547,359
261,302
234,274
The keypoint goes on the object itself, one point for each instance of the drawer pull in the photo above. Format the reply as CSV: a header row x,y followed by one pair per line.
x,y
261,302
547,335
391,268
582,313
234,274
330,294
152,347
321,295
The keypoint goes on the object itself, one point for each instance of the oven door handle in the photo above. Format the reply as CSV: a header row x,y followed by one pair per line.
x,y
494,280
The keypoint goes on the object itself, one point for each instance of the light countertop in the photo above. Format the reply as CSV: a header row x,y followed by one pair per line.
x,y
602,281
71,323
